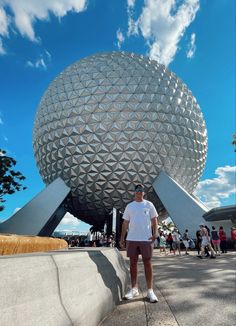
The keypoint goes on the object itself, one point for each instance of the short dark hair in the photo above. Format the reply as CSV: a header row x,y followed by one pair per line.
x,y
138,186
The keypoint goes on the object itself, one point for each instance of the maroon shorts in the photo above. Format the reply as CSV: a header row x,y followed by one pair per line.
x,y
134,248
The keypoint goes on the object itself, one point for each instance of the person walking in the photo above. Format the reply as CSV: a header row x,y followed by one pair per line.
x,y
140,221
198,241
215,240
233,236
162,242
169,240
223,244
176,240
205,242
206,247
186,239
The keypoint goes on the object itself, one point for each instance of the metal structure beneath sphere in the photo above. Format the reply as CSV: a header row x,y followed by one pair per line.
x,y
111,120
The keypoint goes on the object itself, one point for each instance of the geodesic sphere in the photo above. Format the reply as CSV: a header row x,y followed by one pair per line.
x,y
114,119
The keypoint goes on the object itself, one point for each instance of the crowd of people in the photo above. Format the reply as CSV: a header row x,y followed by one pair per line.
x,y
211,243
174,241
100,240
208,243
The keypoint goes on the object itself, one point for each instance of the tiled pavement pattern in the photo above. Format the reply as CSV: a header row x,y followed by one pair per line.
x,y
190,291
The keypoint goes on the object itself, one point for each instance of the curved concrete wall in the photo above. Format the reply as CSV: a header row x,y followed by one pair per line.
x,y
76,287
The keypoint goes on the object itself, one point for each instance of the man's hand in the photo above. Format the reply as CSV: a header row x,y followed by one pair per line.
x,y
153,238
122,243
154,229
125,226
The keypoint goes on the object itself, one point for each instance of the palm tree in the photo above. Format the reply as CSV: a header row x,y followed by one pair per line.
x,y
95,229
166,226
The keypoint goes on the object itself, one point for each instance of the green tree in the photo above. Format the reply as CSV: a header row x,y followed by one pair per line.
x,y
166,226
95,229
10,180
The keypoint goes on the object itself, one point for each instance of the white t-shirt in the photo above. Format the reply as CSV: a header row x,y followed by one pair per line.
x,y
176,236
139,215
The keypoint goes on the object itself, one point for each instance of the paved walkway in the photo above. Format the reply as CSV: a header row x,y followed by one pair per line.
x,y
191,292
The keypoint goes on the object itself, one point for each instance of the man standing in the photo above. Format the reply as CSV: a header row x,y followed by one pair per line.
x,y
140,220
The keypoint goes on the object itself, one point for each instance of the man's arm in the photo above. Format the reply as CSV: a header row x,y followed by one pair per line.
x,y
125,226
154,225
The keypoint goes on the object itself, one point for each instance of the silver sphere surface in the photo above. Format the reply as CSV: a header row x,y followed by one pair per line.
x,y
111,120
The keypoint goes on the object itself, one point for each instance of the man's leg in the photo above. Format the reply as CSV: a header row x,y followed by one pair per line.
x,y
146,251
133,292
148,272
133,271
149,279
132,253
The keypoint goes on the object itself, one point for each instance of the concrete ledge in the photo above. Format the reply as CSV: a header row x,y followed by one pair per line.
x,y
77,287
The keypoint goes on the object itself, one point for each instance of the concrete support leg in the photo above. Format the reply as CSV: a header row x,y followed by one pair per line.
x,y
42,214
185,210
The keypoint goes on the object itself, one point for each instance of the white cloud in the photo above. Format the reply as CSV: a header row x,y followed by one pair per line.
x,y
69,223
162,24
2,50
1,120
191,46
132,24
120,38
40,62
49,57
131,3
213,191
69,219
4,21
22,14
30,64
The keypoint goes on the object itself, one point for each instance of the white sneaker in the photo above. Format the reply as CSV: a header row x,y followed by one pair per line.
x,y
132,294
151,296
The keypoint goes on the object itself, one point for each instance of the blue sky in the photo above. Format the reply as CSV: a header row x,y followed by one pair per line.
x,y
194,38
